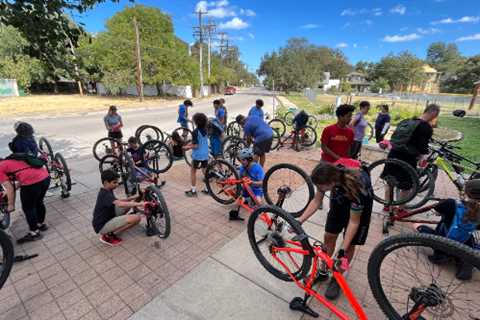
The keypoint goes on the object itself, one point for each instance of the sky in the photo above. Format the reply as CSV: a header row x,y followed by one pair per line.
x,y
363,30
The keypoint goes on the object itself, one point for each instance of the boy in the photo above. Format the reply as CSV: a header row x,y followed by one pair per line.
x,y
215,132
259,132
183,113
200,151
109,215
256,110
252,170
139,161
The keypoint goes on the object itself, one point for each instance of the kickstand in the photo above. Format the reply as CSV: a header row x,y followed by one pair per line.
x,y
299,304
21,258
233,215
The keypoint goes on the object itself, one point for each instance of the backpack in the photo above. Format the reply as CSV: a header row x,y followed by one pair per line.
x,y
301,118
401,137
31,160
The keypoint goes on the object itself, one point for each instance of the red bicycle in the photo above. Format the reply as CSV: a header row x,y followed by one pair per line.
x,y
403,280
305,137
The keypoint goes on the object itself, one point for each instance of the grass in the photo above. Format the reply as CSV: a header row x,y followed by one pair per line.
x,y
470,145
64,104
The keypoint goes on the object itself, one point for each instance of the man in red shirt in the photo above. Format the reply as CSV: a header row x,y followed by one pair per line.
x,y
338,138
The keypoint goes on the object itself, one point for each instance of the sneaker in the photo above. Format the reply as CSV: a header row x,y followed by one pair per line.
x,y
333,290
31,236
205,191
109,240
43,227
191,194
116,238
464,271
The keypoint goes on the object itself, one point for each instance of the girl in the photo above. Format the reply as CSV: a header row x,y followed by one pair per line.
x,y
24,141
359,125
113,123
382,123
351,205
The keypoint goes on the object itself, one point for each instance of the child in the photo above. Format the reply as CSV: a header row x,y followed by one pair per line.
x,y
183,113
382,123
254,172
199,148
138,159
113,123
215,132
109,215
177,143
24,141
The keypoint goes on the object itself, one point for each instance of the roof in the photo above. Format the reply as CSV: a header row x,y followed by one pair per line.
x,y
356,74
427,69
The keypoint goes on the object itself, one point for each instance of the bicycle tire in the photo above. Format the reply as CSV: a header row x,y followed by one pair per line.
x,y
67,186
111,162
312,121
276,137
425,191
153,152
234,129
231,154
304,266
311,133
406,169
288,118
212,172
158,134
422,185
231,140
97,146
278,125
156,195
187,134
129,178
390,244
270,196
6,246
370,132
45,146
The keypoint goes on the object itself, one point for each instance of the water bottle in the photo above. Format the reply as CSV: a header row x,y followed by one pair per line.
x,y
365,140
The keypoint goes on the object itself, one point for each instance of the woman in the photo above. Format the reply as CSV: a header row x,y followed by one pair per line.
x,y
351,205
359,125
34,183
24,141
113,123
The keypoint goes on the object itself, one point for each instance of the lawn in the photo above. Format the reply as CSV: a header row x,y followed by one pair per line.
x,y
469,126
35,105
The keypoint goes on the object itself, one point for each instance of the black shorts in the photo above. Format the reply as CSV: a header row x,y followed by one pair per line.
x,y
402,178
199,164
339,216
262,147
115,135
355,149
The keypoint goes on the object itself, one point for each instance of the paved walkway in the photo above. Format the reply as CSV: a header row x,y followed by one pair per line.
x,y
204,270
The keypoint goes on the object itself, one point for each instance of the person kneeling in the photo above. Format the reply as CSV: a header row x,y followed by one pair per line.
x,y
109,215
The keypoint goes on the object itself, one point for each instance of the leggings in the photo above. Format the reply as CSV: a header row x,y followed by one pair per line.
x,y
32,202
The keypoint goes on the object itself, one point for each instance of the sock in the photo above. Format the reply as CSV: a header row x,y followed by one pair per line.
x,y
194,189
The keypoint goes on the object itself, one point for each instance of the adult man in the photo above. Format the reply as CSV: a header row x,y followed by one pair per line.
x,y
337,138
256,110
258,131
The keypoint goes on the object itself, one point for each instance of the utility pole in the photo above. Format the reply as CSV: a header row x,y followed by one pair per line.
x,y
77,73
139,60
210,29
223,39
198,32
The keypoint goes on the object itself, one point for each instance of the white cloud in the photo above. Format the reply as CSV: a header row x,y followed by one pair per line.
x,y
236,24
201,6
473,37
247,12
368,22
428,30
355,45
401,38
222,3
221,12
400,9
353,12
251,35
342,45
309,26
465,19
377,11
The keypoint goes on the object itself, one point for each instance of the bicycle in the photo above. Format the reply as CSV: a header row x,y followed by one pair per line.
x,y
155,210
6,245
305,137
146,133
284,249
290,115
57,168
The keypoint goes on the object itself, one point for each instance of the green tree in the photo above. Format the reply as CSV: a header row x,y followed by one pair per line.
x,y
380,85
462,81
444,57
401,71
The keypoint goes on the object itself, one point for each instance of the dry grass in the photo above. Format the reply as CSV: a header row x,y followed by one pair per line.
x,y
65,104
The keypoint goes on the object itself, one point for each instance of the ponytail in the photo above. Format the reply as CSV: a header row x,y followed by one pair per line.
x,y
349,180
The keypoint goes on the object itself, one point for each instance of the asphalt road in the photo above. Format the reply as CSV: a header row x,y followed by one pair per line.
x,y
74,135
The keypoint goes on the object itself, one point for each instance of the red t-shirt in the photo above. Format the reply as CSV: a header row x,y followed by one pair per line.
x,y
26,177
338,140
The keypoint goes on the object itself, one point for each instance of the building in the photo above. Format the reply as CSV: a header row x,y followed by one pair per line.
x,y
328,83
431,84
358,82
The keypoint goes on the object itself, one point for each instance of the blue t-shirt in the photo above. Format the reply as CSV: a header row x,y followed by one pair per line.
x,y
220,114
200,138
182,113
255,173
256,112
258,129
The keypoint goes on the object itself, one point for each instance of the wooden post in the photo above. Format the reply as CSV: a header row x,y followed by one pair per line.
x,y
139,60
476,91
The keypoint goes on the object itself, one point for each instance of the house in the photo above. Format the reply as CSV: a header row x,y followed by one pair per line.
x,y
328,83
358,81
431,84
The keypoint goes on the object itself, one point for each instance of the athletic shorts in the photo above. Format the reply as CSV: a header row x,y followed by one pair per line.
x,y
115,134
262,147
184,124
199,164
339,216
114,224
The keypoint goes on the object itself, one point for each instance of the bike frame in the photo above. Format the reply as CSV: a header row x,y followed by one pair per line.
x,y
240,201
320,255
404,215
294,136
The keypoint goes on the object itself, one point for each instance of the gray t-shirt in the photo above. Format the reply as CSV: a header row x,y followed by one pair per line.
x,y
359,128
111,120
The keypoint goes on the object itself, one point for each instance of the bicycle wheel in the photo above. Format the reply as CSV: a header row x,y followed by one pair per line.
x,y
129,177
160,216
185,133
275,140
4,214
6,257
103,147
218,171
309,137
232,140
369,132
426,189
63,174
395,186
288,118
46,148
402,277
111,163
271,227
312,121
278,125
147,133
187,155
157,155
289,187
234,129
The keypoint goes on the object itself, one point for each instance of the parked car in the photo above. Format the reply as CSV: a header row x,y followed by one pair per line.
x,y
230,90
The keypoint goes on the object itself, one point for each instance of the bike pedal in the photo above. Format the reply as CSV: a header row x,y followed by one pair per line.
x,y
298,304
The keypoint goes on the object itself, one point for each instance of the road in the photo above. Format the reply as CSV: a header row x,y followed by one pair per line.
x,y
74,135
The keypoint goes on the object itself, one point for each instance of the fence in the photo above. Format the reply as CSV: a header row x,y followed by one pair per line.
x,y
8,88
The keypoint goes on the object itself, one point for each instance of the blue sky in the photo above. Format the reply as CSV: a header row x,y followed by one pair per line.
x,y
363,30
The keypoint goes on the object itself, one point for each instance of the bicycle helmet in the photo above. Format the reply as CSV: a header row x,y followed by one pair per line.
x,y
23,129
472,189
246,153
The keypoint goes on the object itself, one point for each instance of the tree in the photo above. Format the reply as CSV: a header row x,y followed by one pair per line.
x,y
444,57
462,81
380,85
400,71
